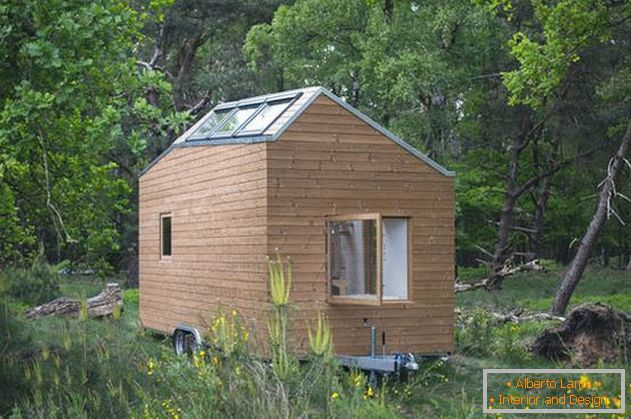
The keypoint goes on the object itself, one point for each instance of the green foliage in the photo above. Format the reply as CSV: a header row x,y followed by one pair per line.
x,y
131,297
312,42
15,239
78,367
567,27
56,367
228,334
69,102
474,336
33,286
472,273
479,198
13,341
479,334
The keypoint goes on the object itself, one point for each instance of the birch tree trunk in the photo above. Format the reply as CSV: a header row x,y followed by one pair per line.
x,y
578,264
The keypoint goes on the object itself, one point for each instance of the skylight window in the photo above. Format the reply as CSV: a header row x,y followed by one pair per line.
x,y
243,119
265,117
234,121
210,124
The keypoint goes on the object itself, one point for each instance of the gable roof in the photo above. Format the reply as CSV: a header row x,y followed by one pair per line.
x,y
297,102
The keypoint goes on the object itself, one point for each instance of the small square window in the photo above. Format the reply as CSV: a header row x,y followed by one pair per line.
x,y
165,235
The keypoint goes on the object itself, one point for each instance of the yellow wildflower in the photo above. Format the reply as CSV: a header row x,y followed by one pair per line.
x,y
585,381
151,366
335,395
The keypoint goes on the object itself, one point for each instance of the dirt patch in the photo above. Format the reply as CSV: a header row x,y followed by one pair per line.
x,y
589,333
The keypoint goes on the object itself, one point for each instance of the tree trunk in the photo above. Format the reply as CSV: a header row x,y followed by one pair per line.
x,y
132,267
629,265
97,306
501,252
185,61
541,200
577,267
537,224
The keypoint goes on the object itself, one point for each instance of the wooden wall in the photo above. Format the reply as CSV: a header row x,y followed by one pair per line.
x,y
217,199
331,163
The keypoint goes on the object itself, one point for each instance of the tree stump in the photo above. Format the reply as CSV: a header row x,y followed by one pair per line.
x,y
98,306
589,333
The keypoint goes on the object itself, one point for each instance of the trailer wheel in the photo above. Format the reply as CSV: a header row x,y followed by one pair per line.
x,y
184,342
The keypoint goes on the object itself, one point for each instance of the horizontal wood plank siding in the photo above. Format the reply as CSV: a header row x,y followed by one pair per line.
x,y
231,205
329,162
218,202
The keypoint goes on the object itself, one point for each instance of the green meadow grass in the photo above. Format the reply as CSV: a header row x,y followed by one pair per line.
x,y
451,389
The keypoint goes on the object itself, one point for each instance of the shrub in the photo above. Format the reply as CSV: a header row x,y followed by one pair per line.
x,y
474,336
508,342
131,297
467,274
35,285
13,342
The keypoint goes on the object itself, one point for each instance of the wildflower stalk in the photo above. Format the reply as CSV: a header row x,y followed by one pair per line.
x,y
279,288
321,348
320,342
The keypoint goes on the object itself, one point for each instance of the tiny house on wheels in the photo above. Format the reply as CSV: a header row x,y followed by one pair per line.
x,y
367,220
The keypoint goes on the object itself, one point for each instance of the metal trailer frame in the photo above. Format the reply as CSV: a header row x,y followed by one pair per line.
x,y
188,339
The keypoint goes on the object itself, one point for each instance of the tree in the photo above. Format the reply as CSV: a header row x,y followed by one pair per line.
x,y
604,209
569,28
71,102
197,46
313,42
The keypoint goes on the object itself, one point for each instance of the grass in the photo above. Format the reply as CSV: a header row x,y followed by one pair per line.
x,y
154,383
535,290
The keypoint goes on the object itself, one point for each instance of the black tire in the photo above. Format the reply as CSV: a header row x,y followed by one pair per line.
x,y
184,343
179,345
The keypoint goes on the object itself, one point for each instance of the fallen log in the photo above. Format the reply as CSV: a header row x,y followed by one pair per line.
x,y
507,270
517,316
98,306
591,332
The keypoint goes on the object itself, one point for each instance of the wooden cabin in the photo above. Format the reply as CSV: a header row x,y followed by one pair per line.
x,y
367,220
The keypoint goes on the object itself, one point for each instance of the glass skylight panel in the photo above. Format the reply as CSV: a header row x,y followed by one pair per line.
x,y
211,123
234,121
265,117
